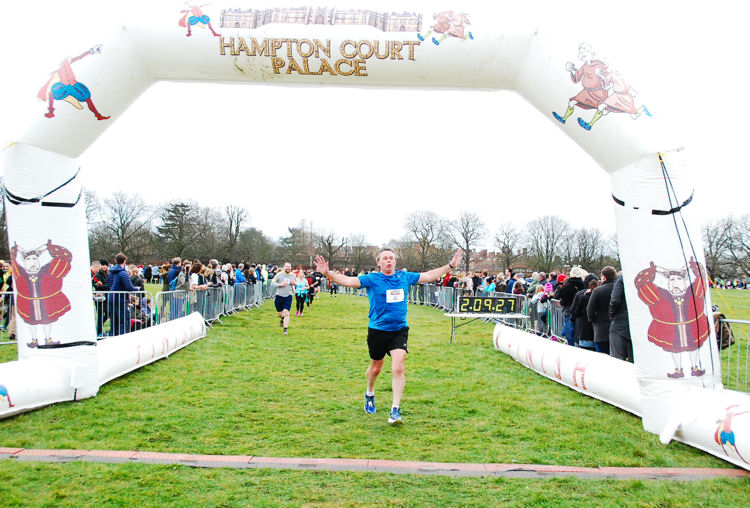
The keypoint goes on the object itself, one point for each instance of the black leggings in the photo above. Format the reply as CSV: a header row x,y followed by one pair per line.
x,y
300,299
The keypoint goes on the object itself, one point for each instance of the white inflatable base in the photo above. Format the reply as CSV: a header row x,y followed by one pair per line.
x,y
34,383
120,355
41,381
715,421
599,376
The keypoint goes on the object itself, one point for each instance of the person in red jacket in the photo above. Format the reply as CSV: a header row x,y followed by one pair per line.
x,y
678,310
40,300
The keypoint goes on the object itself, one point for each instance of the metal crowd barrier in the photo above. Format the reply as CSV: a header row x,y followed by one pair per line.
x,y
523,303
240,296
535,321
555,318
734,335
446,298
228,300
252,295
172,305
211,303
548,322
121,312
422,294
433,295
411,297
7,318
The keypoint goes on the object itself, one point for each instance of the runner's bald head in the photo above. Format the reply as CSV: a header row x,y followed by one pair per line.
x,y
385,249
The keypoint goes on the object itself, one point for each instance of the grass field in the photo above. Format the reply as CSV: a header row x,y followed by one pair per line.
x,y
734,303
247,389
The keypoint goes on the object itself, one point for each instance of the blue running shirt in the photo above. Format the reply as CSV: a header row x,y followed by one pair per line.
x,y
388,295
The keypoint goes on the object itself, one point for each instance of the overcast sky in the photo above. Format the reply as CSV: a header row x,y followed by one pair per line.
x,y
355,160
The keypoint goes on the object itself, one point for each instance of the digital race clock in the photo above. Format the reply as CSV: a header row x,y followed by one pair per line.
x,y
487,304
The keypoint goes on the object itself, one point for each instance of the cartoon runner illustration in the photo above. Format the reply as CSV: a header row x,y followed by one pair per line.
x,y
591,75
449,24
620,100
64,86
5,397
724,433
40,300
193,16
678,310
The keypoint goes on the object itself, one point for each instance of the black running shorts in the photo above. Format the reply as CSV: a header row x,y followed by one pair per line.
x,y
381,342
282,302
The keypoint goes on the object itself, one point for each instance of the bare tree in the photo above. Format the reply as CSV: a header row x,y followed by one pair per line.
x,y
739,245
209,223
359,252
93,207
124,226
235,217
542,238
717,246
565,248
589,248
467,230
427,232
583,247
508,241
407,252
330,245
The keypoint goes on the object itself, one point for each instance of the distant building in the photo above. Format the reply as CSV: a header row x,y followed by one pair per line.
x,y
387,22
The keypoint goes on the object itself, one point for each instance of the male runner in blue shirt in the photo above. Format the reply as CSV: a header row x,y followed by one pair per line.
x,y
388,330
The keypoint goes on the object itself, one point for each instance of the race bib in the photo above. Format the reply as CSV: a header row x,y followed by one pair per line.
x,y
394,295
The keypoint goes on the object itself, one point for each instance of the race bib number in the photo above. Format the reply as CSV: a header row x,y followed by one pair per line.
x,y
394,295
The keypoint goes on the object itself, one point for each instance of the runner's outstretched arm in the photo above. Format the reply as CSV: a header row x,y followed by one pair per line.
x,y
321,265
433,274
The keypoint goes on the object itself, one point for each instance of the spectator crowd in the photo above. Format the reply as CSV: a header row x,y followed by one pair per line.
x,y
593,308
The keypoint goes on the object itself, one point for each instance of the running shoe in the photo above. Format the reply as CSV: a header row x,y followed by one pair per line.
x,y
369,404
281,322
395,417
284,331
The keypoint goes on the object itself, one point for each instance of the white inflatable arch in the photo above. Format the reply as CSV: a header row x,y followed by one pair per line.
x,y
675,384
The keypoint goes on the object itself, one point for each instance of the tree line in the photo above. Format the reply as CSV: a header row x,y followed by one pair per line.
x,y
125,223
726,243
543,244
147,233
550,243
